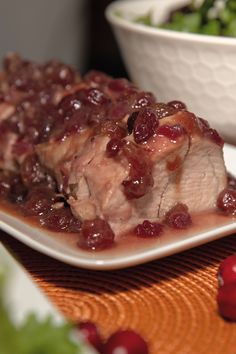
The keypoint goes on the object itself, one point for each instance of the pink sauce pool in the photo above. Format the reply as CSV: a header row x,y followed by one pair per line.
x,y
129,243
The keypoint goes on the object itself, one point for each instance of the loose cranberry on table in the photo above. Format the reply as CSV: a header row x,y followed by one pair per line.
x,y
125,342
227,271
226,300
90,333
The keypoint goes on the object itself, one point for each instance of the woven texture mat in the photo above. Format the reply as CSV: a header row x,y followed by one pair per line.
x,y
171,302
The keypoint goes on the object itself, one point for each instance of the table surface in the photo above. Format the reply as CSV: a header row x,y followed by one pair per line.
x,y
171,302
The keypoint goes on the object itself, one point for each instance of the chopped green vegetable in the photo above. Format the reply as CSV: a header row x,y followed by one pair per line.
x,y
211,17
144,20
185,23
211,28
231,29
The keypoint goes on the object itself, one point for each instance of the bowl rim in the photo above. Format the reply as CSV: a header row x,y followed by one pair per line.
x,y
123,23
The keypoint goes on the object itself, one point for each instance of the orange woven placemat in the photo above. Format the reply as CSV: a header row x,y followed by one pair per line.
x,y
171,302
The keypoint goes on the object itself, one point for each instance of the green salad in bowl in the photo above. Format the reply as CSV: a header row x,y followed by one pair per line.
x,y
211,17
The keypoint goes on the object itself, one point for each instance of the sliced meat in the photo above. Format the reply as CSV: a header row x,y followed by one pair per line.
x,y
115,152
7,141
188,169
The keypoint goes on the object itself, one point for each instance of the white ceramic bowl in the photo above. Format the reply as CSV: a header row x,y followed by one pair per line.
x,y
197,69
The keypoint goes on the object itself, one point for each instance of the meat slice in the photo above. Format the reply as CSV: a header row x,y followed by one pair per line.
x,y
188,169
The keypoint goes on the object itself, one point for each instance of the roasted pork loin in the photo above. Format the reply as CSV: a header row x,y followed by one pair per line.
x,y
110,151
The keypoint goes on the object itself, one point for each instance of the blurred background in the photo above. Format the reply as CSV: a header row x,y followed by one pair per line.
x,y
73,31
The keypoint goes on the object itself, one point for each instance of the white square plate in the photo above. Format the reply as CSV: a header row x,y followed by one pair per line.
x,y
135,251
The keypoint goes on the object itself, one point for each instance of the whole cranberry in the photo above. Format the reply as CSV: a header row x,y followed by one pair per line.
x,y
90,333
113,147
226,300
227,271
226,201
145,125
178,217
148,229
96,234
127,342
178,105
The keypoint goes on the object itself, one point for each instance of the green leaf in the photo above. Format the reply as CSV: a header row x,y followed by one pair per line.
x,y
212,28
231,4
231,29
144,20
226,16
184,23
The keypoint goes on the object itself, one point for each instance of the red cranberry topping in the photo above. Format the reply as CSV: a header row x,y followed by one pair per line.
x,y
113,147
178,105
148,229
140,175
118,110
214,136
39,201
93,96
178,217
27,77
204,125
143,99
119,85
11,187
226,300
96,235
227,201
32,172
145,125
210,133
163,110
59,73
127,342
227,270
61,220
130,122
90,333
137,187
231,181
172,132
97,78
112,129
69,105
